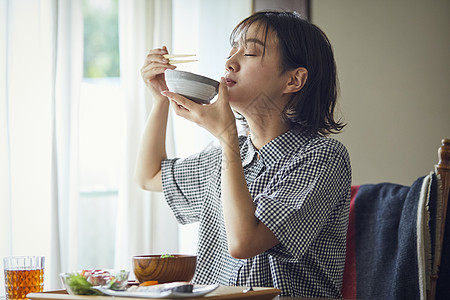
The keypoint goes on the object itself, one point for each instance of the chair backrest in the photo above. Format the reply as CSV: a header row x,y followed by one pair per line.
x,y
442,262
391,233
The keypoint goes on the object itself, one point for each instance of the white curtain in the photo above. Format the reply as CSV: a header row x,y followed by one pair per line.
x,y
40,74
40,56
5,149
145,223
67,76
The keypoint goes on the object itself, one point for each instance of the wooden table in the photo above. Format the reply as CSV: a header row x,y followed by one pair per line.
x,y
222,293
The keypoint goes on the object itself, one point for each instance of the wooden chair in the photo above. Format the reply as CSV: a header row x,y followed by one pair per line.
x,y
443,169
389,246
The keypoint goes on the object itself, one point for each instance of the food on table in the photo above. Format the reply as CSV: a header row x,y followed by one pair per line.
x,y
149,282
179,287
79,285
82,283
166,255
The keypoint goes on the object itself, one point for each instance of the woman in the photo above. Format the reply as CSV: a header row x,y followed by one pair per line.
x,y
272,205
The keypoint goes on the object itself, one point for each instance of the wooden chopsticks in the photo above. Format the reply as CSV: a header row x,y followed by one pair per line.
x,y
176,61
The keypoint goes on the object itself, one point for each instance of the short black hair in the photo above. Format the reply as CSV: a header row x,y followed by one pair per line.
x,y
302,44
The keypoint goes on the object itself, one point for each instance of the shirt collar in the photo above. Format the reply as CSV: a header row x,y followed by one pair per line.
x,y
284,145
248,152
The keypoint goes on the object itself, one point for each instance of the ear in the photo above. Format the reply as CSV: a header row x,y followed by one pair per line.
x,y
296,80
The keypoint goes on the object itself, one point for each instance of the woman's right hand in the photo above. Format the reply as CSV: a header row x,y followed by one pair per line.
x,y
152,71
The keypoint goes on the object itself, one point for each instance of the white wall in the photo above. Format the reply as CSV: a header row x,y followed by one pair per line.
x,y
393,61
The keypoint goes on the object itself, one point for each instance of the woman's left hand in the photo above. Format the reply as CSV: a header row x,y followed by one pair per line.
x,y
218,117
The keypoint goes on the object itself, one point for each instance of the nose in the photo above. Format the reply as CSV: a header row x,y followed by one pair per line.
x,y
232,65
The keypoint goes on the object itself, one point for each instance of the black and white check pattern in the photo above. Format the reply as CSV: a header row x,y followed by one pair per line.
x,y
301,189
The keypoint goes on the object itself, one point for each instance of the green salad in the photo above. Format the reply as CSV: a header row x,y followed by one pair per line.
x,y
79,285
82,283
166,255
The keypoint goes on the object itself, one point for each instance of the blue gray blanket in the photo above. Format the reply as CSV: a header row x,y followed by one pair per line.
x,y
383,238
386,241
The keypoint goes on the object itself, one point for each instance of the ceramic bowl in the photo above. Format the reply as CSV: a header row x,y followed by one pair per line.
x,y
196,87
164,269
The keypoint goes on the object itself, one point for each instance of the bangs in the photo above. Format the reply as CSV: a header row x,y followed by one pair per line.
x,y
239,34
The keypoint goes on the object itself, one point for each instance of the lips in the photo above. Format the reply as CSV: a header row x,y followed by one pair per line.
x,y
230,82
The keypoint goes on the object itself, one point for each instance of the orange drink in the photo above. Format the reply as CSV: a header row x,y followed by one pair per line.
x,y
23,275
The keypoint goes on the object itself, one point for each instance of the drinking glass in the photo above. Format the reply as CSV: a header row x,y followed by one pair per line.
x,y
23,275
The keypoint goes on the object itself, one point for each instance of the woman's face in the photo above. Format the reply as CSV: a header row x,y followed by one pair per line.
x,y
253,78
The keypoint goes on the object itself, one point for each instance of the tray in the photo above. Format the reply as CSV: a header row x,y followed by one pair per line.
x,y
222,292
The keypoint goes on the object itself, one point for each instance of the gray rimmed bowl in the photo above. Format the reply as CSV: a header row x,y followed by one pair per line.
x,y
196,87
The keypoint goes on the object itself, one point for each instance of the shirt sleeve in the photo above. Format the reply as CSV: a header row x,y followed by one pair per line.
x,y
305,197
185,182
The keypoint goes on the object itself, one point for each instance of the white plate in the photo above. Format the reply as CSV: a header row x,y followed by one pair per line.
x,y
197,291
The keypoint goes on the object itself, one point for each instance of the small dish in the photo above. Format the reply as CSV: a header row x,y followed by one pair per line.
x,y
85,282
160,292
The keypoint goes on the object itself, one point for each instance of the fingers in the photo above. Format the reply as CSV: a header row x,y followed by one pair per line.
x,y
156,56
155,64
223,86
158,51
152,73
153,69
179,100
179,104
214,117
223,91
180,110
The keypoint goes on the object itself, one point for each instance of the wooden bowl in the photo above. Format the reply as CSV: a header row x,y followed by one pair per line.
x,y
164,269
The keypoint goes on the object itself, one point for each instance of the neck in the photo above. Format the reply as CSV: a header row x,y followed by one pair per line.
x,y
265,120
264,132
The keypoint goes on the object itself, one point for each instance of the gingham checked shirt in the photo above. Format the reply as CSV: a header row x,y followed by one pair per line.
x,y
300,186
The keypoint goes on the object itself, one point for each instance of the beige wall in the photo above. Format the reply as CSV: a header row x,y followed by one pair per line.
x,y
393,61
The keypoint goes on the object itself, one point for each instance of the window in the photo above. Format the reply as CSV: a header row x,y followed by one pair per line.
x,y
100,122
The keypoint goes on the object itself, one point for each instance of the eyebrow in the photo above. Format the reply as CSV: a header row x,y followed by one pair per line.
x,y
256,41
252,40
